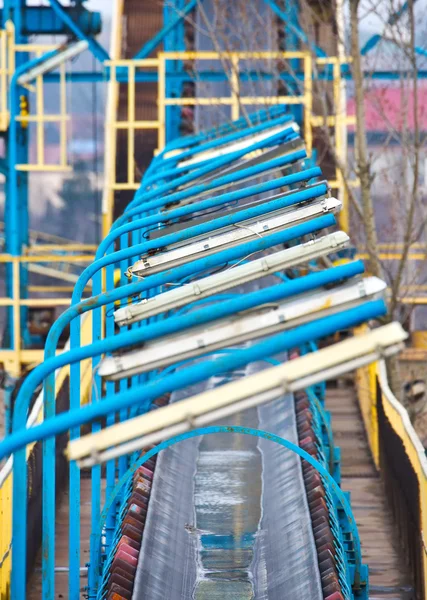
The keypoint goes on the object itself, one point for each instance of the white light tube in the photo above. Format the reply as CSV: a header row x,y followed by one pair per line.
x,y
250,325
232,277
227,237
68,53
237,145
253,390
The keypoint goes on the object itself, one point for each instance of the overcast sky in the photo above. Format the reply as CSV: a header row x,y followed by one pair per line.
x,y
104,6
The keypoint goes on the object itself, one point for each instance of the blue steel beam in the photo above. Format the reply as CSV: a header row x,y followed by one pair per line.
x,y
151,77
294,28
16,213
74,28
173,41
41,20
173,22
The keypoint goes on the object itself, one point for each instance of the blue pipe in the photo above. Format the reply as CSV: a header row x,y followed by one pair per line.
x,y
201,205
202,188
231,137
22,402
178,273
206,171
201,264
217,163
220,310
176,170
198,372
200,229
14,246
175,324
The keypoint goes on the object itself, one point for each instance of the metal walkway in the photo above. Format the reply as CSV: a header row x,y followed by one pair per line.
x,y
388,570
389,575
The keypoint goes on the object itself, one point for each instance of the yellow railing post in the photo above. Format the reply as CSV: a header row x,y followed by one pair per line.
x,y
39,122
161,96
63,115
308,101
131,119
235,87
340,144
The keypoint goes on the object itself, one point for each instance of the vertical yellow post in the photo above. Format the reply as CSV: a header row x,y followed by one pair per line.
x,y
3,81
16,314
131,123
63,115
10,28
110,152
235,87
161,95
340,144
308,102
39,119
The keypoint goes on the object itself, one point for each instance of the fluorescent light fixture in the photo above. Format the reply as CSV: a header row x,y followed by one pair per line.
x,y
260,322
219,403
262,155
238,145
67,53
227,237
235,276
230,207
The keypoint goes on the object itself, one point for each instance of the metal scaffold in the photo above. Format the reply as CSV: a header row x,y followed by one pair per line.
x,y
184,431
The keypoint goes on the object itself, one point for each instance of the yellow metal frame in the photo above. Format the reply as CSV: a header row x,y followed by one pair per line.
x,y
6,470
7,68
8,51
14,359
234,100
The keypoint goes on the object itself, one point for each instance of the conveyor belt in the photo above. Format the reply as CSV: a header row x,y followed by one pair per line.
x,y
228,516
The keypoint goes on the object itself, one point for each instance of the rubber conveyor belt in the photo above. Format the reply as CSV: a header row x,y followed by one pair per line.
x,y
228,515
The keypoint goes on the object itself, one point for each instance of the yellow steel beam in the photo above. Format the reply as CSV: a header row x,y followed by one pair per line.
x,y
212,55
136,124
70,247
393,256
66,289
84,258
43,167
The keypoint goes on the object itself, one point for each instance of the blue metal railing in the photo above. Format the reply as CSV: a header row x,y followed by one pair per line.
x,y
167,183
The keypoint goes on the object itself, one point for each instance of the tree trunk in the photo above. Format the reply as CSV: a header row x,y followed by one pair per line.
x,y
362,161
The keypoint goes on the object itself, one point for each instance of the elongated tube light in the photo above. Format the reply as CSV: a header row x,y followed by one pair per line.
x,y
66,53
253,390
284,159
235,276
236,330
238,145
150,264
